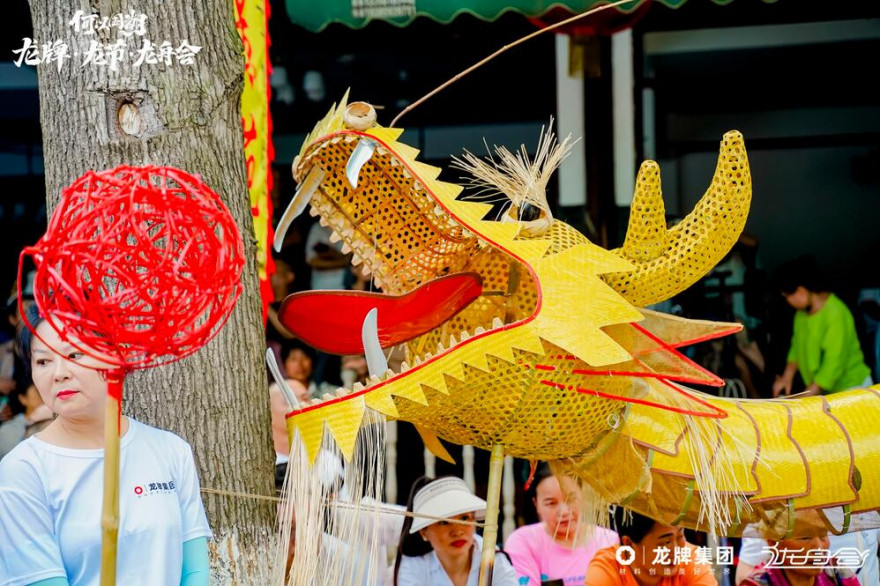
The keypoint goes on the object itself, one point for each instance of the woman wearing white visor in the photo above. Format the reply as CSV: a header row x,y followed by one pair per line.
x,y
444,552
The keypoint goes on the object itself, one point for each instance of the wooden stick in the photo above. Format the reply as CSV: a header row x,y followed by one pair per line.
x,y
110,511
490,532
502,50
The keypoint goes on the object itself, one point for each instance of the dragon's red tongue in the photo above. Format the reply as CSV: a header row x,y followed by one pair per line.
x,y
331,320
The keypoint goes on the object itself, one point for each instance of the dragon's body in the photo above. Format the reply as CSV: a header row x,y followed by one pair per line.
x,y
556,360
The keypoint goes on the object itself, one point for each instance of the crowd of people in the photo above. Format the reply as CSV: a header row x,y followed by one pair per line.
x,y
561,550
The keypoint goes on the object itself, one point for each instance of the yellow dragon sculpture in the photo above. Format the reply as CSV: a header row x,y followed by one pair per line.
x,y
556,359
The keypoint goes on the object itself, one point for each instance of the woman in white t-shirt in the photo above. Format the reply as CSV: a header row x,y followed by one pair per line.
x,y
51,486
446,552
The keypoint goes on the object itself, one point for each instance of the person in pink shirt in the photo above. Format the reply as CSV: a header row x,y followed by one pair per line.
x,y
559,548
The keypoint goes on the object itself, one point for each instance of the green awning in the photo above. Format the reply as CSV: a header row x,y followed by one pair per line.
x,y
314,15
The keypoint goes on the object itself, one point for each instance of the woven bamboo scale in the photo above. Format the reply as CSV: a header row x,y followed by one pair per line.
x,y
556,360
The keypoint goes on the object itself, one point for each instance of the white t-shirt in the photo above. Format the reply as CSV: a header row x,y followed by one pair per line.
x,y
427,570
50,510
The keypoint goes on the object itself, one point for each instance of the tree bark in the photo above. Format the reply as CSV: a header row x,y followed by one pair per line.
x,y
186,116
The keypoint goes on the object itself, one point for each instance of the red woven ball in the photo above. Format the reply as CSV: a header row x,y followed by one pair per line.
x,y
139,266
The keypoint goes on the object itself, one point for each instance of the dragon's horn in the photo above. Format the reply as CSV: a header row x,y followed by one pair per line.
x,y
668,262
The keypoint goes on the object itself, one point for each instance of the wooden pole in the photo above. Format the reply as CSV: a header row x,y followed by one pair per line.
x,y
493,497
110,511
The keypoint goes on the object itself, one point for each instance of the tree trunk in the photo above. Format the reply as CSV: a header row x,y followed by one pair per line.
x,y
186,116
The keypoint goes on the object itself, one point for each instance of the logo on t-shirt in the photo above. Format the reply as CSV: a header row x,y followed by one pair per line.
x,y
151,488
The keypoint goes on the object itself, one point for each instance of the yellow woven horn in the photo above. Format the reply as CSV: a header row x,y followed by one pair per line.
x,y
668,262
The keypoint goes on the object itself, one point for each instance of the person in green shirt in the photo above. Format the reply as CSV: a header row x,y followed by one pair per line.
x,y
824,344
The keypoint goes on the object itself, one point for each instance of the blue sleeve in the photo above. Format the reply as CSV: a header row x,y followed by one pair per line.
x,y
52,582
192,511
196,569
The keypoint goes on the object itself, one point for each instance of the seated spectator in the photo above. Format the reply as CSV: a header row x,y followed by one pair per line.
x,y
444,552
651,546
37,414
809,574
12,430
354,370
560,547
31,416
297,359
752,554
279,409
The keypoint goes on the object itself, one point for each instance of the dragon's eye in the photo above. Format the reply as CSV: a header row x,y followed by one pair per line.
x,y
529,212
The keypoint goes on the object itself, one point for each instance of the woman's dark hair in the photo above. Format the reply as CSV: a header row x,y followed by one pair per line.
x,y
24,338
411,545
290,345
801,272
542,472
636,527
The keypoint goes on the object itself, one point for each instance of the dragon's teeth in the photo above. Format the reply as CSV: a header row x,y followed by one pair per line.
x,y
438,211
357,387
346,248
373,380
417,361
452,341
323,222
440,348
497,323
313,210
334,237
479,330
464,335
341,392
404,366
